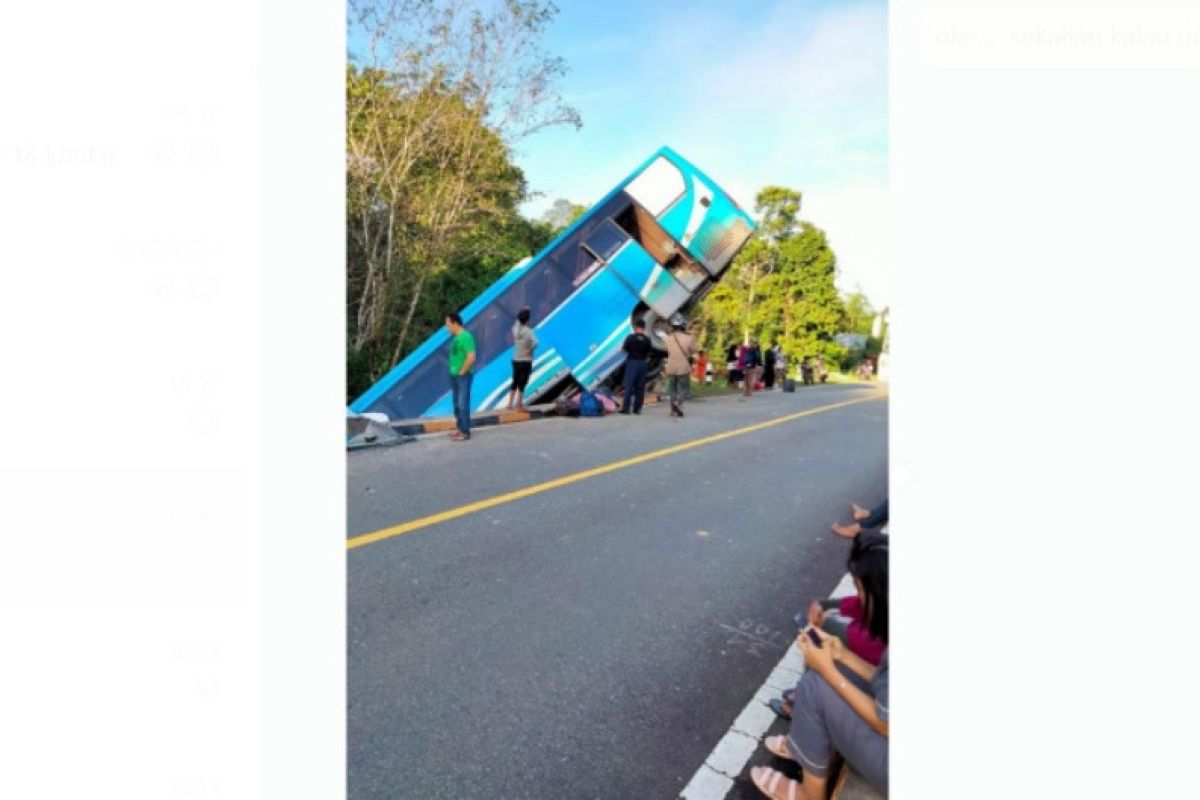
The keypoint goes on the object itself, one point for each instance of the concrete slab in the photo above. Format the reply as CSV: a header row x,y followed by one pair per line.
x,y
731,753
707,784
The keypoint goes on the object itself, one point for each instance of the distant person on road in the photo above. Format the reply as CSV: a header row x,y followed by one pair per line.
x,y
681,348
806,371
525,341
821,372
637,349
750,363
462,369
733,365
863,520
781,365
840,704
845,618
769,367
756,355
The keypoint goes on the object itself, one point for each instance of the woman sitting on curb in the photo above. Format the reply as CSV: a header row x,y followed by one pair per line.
x,y
841,701
845,618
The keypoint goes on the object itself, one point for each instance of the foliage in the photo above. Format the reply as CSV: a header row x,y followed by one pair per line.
x,y
778,208
562,213
860,314
358,374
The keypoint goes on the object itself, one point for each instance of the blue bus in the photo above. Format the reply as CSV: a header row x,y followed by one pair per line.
x,y
651,248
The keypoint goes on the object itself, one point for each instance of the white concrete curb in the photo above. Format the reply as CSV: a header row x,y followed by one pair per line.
x,y
715,777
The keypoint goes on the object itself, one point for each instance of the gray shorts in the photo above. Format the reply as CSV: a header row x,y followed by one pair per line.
x,y
822,723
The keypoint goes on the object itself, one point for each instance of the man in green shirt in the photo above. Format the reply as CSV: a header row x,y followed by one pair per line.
x,y
462,370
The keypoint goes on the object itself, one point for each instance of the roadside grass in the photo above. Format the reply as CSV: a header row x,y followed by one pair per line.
x,y
719,386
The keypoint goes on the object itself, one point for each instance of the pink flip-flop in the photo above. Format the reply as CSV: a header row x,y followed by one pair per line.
x,y
768,781
777,746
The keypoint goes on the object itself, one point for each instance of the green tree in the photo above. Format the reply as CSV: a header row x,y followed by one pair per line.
x,y
778,208
562,213
860,314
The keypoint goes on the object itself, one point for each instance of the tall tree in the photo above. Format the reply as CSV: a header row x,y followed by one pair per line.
x,y
778,208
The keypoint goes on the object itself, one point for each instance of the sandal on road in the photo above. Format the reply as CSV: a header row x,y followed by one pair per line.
x,y
777,746
770,782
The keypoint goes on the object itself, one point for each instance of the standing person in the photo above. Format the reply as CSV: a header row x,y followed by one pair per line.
x,y
781,365
525,341
731,365
756,361
769,367
821,373
681,347
750,361
637,349
462,370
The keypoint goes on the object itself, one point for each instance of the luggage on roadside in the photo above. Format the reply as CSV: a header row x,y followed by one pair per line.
x,y
589,405
789,385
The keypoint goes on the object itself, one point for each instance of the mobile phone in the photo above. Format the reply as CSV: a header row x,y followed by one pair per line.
x,y
812,635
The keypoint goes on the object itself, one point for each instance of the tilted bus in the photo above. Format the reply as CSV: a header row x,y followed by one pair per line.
x,y
652,247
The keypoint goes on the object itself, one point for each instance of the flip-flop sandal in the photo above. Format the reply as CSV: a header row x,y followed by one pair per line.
x,y
768,782
777,746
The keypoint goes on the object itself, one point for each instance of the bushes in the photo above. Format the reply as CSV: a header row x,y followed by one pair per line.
x,y
358,374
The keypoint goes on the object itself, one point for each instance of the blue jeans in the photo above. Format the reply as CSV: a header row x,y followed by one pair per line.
x,y
635,386
460,388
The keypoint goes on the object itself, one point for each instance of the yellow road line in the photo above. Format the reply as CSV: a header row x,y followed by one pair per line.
x,y
575,477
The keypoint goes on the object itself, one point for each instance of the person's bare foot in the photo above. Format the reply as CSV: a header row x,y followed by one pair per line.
x,y
847,531
860,513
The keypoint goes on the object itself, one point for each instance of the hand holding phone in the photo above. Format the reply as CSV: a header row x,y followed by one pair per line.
x,y
813,636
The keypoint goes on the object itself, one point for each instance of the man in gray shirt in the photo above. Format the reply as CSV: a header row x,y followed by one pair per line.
x,y
524,343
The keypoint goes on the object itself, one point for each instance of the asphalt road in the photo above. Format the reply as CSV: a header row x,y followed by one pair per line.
x,y
595,640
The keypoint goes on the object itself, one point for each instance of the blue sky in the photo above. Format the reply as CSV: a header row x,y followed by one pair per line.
x,y
754,92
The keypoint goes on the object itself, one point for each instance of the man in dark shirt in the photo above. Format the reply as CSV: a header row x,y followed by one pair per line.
x,y
753,362
637,350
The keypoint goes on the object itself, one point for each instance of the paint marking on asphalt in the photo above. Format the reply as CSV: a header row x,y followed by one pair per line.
x,y
491,502
725,763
